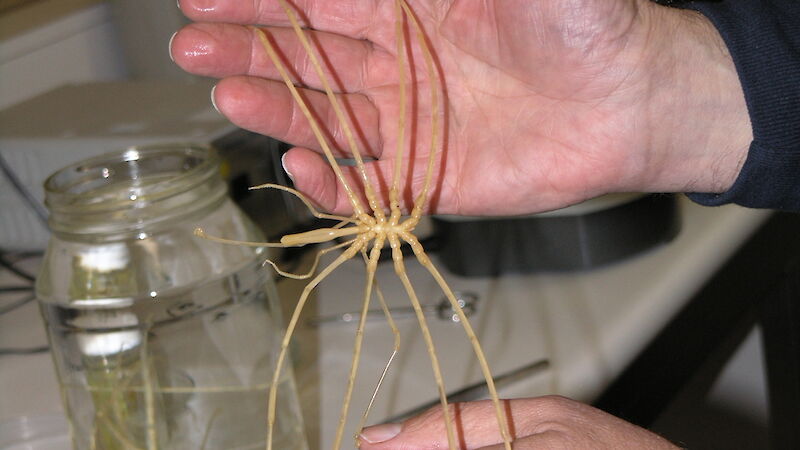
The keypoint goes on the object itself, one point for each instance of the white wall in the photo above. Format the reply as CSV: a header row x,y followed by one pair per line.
x,y
80,47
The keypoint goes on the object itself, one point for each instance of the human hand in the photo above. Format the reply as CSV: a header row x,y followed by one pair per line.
x,y
548,102
536,423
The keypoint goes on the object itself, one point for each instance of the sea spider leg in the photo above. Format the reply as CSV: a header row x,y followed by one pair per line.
x,y
316,236
342,220
305,201
419,201
287,336
369,190
416,213
426,262
394,204
358,210
313,268
394,192
395,350
399,268
372,265
339,225
395,213
200,233
149,392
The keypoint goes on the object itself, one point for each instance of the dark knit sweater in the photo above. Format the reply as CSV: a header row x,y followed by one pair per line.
x,y
763,37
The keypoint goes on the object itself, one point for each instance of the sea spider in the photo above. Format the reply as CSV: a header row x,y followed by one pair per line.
x,y
373,229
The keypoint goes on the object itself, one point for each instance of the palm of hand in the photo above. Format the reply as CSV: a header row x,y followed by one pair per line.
x,y
542,98
535,119
533,116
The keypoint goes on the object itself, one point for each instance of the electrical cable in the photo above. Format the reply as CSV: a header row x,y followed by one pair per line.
x,y
20,351
9,265
4,289
41,214
38,209
14,305
23,351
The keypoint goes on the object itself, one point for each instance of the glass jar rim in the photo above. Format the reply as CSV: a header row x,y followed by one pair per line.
x,y
62,188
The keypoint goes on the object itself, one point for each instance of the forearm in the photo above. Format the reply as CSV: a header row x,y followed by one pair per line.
x,y
696,115
761,41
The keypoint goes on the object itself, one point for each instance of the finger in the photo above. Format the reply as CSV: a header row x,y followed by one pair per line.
x,y
222,50
354,18
267,107
547,439
313,176
476,425
475,422
542,422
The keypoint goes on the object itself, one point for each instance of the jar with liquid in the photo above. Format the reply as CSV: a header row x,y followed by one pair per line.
x,y
161,339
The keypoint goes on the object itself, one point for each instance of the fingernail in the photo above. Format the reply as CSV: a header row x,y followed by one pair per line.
x,y
380,433
178,2
214,102
170,46
283,164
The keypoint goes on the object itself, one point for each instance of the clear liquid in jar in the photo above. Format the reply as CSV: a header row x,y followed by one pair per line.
x,y
185,369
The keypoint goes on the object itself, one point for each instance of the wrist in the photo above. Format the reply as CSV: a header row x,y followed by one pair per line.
x,y
699,127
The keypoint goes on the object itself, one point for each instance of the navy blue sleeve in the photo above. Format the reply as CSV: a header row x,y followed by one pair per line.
x,y
763,37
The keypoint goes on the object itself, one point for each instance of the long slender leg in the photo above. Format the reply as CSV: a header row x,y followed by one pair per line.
x,y
313,268
395,350
149,392
400,269
423,259
372,265
316,236
394,191
199,232
369,190
287,337
419,201
305,201
273,56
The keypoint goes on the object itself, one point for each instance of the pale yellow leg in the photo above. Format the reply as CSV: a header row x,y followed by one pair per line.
x,y
287,337
369,190
199,232
372,265
400,269
315,128
395,349
313,268
423,258
419,201
149,394
394,191
305,201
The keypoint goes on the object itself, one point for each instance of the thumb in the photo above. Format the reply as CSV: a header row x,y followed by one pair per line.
x,y
474,423
542,422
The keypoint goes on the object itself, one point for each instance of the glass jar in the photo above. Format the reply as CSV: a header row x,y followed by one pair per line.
x,y
161,339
